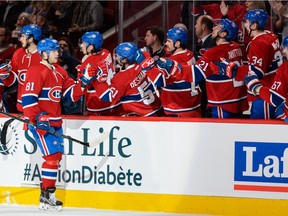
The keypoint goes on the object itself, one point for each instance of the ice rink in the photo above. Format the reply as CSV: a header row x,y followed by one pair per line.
x,y
16,210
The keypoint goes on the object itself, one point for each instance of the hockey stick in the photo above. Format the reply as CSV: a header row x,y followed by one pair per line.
x,y
93,143
5,128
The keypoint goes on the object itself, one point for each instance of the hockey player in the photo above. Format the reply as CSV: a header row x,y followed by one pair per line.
x,y
45,83
181,98
130,85
264,57
226,97
276,95
22,59
91,47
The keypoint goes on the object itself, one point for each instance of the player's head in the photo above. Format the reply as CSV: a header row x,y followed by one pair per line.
x,y
125,54
176,38
226,29
230,28
91,42
284,46
49,50
255,20
29,34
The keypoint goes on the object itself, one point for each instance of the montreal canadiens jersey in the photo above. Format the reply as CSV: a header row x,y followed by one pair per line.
x,y
181,98
134,89
20,63
278,91
264,57
94,105
222,91
43,90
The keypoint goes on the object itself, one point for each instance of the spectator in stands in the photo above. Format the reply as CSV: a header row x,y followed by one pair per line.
x,y
232,10
87,16
9,13
63,12
23,19
154,40
280,8
203,30
41,22
9,95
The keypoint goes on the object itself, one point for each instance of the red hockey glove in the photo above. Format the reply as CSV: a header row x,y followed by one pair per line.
x,y
224,68
42,125
4,71
102,73
252,82
89,74
144,59
170,67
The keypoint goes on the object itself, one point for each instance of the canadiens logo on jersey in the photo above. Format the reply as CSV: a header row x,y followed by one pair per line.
x,y
22,76
55,93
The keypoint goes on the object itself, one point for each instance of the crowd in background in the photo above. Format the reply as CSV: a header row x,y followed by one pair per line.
x,y
186,45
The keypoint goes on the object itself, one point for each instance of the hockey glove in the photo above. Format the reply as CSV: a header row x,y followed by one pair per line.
x,y
224,68
144,59
102,73
42,125
4,71
280,112
170,67
253,83
89,74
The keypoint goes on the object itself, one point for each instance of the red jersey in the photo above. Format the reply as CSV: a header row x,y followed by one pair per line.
x,y
43,90
94,105
264,57
20,63
134,89
222,91
181,98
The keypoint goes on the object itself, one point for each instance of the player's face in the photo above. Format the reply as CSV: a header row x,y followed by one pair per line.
x,y
216,30
149,38
83,48
170,45
23,40
247,26
53,57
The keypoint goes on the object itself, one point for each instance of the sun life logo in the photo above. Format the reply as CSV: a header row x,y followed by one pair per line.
x,y
11,145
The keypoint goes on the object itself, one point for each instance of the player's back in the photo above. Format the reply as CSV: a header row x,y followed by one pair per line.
x,y
264,56
223,91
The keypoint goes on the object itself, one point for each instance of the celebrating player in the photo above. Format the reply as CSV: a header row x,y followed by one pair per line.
x,y
226,97
45,84
22,59
130,85
276,95
91,46
264,57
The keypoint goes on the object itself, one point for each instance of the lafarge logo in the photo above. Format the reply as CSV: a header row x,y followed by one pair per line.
x,y
261,166
11,145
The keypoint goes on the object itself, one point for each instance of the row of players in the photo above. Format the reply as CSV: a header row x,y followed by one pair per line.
x,y
141,89
144,86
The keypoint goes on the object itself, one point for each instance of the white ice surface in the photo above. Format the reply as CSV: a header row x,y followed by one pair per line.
x,y
15,210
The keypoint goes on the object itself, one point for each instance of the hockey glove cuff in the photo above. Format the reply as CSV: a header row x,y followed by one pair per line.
x,y
42,123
